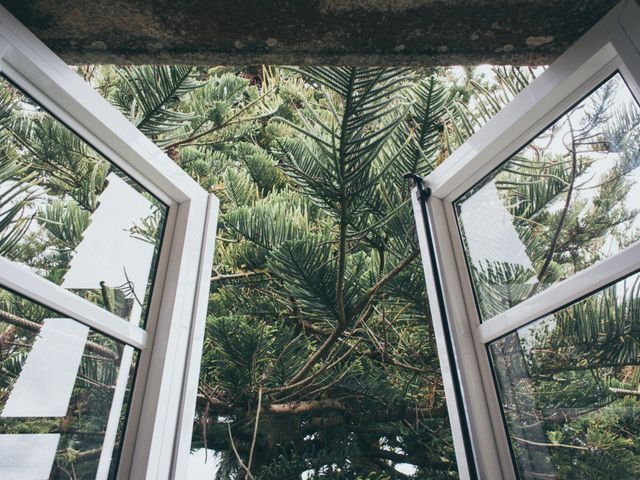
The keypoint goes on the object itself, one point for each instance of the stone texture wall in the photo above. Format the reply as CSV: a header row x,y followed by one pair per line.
x,y
353,32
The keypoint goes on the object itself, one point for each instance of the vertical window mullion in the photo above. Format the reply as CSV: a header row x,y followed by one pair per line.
x,y
461,372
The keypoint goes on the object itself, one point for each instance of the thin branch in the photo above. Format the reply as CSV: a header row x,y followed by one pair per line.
x,y
235,451
551,445
238,276
255,428
563,214
624,391
386,279
229,121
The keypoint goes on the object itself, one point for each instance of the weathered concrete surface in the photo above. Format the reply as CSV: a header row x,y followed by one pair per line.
x,y
356,32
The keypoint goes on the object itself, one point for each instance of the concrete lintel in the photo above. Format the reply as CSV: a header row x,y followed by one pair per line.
x,y
348,32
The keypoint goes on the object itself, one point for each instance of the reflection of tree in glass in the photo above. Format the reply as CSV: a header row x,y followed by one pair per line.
x,y
569,383
570,388
568,196
51,185
82,429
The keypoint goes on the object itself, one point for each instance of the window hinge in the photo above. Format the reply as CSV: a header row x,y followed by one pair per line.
x,y
423,193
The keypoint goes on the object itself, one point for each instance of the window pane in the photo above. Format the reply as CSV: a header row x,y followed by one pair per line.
x,y
58,380
562,203
569,385
70,215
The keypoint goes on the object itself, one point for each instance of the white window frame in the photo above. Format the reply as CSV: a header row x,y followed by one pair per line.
x,y
613,44
159,426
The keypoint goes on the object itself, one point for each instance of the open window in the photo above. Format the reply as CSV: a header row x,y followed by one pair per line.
x,y
104,319
529,237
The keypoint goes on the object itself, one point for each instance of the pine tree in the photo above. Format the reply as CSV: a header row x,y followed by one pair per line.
x,y
319,357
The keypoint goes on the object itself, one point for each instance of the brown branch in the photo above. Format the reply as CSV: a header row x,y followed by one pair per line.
x,y
237,276
342,265
35,327
310,327
230,121
295,408
292,408
86,455
255,429
402,412
624,391
235,451
306,383
333,338
563,214
328,343
386,279
368,310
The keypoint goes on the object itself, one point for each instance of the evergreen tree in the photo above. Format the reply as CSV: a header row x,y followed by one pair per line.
x,y
319,357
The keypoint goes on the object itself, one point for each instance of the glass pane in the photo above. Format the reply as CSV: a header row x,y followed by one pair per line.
x,y
569,385
70,215
562,203
58,382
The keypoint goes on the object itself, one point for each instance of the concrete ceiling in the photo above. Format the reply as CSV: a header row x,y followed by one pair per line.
x,y
355,32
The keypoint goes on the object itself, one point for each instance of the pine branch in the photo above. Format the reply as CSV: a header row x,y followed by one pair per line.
x,y
230,121
549,445
297,379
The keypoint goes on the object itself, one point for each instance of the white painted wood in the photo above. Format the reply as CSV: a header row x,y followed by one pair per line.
x,y
485,439
456,417
481,356
165,363
170,344
18,278
612,45
192,372
577,286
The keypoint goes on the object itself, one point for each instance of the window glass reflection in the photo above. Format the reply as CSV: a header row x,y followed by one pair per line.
x,y
58,382
71,216
565,201
569,386
45,383
27,456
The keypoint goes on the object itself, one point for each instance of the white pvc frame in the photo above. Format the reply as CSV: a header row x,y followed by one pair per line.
x,y
158,431
613,44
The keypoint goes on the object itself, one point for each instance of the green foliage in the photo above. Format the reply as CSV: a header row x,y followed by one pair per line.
x,y
569,382
148,96
319,357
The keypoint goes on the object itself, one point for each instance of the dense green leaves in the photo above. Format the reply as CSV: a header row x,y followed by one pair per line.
x,y
148,96
319,358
